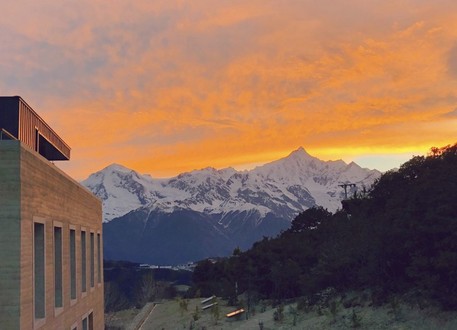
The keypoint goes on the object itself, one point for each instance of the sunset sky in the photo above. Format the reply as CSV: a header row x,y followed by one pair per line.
x,y
165,87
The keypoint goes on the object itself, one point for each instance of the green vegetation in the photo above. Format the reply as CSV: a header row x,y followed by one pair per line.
x,y
215,312
183,305
355,320
398,238
360,314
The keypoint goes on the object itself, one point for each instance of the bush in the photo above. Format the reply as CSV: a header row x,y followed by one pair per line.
x,y
278,315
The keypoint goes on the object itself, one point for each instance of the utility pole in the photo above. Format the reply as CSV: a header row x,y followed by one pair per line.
x,y
345,187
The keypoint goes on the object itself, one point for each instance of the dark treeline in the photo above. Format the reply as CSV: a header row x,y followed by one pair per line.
x,y
399,237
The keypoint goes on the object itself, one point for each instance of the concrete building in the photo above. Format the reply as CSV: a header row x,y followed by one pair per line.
x,y
51,258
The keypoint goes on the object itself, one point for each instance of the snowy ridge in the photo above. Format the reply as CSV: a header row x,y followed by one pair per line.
x,y
283,187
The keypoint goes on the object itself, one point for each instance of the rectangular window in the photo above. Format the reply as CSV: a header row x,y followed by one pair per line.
x,y
88,322
39,270
58,300
99,259
83,261
72,264
91,321
92,260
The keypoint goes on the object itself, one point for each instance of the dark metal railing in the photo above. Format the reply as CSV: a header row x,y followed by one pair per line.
x,y
5,135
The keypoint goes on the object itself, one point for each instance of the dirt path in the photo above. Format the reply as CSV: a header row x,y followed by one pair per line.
x,y
140,319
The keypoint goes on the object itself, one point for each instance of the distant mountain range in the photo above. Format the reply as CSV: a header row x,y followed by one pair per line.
x,y
209,212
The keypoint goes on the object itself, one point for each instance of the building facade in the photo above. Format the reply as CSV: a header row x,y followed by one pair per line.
x,y
51,250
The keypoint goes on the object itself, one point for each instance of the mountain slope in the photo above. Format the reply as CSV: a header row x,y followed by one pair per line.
x,y
209,212
284,187
181,236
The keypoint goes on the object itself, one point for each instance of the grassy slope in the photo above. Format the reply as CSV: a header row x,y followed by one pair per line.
x,y
168,316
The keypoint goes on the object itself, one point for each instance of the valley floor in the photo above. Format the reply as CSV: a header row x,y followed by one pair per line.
x,y
169,316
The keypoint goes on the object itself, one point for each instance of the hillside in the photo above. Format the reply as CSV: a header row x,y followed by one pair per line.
x,y
283,187
169,316
209,212
398,238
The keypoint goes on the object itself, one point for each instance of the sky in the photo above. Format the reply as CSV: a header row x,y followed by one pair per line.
x,y
165,87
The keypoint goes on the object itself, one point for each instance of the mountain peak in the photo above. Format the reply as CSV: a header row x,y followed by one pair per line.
x,y
117,168
300,152
283,187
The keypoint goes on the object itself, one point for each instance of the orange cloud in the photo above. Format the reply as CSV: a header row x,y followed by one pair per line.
x,y
169,87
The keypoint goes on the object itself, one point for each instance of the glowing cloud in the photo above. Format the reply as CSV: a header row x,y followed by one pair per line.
x,y
169,87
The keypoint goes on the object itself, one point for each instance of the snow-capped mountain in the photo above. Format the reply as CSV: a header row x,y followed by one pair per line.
x,y
209,212
284,188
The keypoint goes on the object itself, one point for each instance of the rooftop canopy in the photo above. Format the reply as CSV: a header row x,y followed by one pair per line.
x,y
18,121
